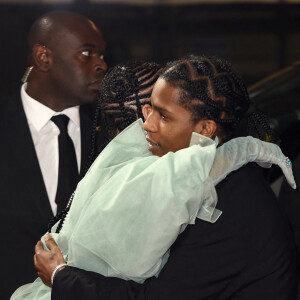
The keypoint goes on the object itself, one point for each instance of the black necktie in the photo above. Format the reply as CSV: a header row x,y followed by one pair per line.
x,y
67,168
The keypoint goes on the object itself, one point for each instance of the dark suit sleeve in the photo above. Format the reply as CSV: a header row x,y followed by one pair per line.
x,y
247,254
289,200
73,283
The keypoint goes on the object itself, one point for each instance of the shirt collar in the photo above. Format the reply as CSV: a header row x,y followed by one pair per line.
x,y
39,114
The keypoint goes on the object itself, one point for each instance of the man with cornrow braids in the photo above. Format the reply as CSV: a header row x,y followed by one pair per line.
x,y
124,91
247,253
65,69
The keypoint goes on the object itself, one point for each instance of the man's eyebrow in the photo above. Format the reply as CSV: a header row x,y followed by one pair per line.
x,y
161,109
87,45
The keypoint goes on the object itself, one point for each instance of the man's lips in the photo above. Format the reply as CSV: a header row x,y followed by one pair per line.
x,y
96,84
151,141
152,145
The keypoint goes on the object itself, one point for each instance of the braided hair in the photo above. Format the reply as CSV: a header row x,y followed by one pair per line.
x,y
210,89
124,90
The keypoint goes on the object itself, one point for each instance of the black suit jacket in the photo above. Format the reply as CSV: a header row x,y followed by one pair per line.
x,y
289,200
247,254
25,210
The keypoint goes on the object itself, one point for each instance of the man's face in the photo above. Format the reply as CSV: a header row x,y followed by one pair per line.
x,y
168,124
78,64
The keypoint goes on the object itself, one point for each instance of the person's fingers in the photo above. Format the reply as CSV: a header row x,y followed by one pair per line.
x,y
49,241
286,168
36,260
38,247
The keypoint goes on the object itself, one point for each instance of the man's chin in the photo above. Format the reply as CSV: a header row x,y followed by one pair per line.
x,y
91,99
157,153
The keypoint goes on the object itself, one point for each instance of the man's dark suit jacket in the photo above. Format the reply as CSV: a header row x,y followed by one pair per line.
x,y
248,254
289,200
25,210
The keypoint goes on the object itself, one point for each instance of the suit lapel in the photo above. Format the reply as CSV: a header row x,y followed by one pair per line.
x,y
27,162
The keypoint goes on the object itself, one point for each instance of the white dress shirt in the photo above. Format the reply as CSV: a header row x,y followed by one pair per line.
x,y
45,138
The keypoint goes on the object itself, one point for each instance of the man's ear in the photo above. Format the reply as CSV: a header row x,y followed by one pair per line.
x,y
146,109
42,57
207,128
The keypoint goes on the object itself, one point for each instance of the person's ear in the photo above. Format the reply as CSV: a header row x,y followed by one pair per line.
x,y
207,128
146,109
42,57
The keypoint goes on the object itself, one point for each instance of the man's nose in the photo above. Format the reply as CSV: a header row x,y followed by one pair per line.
x,y
100,64
150,123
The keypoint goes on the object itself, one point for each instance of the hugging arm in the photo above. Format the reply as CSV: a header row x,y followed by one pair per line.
x,y
242,150
209,260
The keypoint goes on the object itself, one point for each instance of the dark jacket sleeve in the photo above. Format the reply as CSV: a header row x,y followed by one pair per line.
x,y
73,283
289,201
247,254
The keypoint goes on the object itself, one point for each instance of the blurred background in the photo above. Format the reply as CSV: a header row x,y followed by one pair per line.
x,y
260,38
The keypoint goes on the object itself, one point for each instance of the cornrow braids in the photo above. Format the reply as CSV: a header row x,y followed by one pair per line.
x,y
259,127
210,89
124,90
